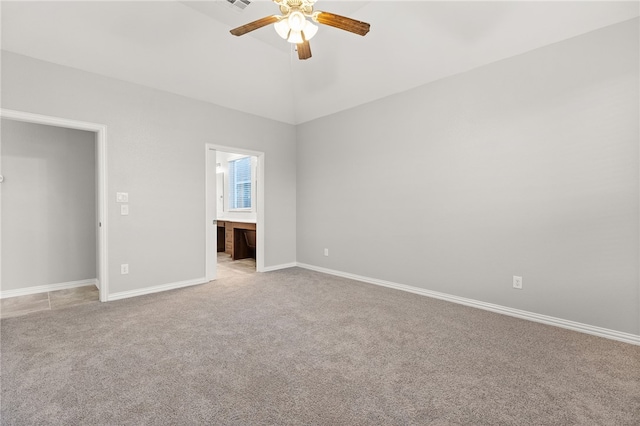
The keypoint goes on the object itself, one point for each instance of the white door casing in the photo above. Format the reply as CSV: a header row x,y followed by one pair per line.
x,y
211,227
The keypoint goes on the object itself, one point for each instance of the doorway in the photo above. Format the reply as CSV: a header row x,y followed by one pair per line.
x,y
100,221
234,207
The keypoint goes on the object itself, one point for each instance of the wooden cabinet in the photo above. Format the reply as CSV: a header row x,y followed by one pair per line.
x,y
239,247
234,242
228,237
221,236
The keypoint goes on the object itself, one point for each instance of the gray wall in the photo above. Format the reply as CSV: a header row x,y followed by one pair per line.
x,y
156,153
48,205
528,166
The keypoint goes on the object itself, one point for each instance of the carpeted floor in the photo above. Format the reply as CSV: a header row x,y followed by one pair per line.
x,y
300,347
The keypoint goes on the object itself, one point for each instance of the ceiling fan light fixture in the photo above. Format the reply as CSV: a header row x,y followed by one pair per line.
x,y
296,24
295,37
310,29
282,28
296,20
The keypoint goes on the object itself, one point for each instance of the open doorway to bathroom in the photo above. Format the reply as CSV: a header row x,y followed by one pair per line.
x,y
236,215
235,221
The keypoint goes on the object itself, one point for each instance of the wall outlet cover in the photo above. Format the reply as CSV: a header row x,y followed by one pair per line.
x,y
517,282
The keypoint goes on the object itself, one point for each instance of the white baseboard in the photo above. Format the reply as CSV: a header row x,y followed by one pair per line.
x,y
278,267
531,316
46,288
155,289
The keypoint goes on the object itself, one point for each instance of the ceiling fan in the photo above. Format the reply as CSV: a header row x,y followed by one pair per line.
x,y
294,26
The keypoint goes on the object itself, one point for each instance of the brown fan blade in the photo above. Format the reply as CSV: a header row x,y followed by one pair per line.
x,y
246,28
342,22
304,50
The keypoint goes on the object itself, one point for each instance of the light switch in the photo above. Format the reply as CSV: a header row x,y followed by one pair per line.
x,y
122,197
124,209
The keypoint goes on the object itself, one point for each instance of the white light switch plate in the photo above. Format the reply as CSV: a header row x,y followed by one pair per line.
x,y
122,197
124,209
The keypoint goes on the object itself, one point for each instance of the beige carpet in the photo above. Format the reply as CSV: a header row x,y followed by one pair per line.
x,y
299,347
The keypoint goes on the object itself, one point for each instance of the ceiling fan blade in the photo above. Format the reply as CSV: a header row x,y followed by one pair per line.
x,y
246,28
342,22
304,50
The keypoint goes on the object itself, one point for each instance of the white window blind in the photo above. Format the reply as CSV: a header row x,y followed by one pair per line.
x,y
240,183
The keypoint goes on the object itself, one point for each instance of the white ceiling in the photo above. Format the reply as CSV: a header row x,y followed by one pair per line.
x,y
185,47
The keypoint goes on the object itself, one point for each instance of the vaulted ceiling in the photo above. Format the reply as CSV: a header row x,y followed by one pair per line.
x,y
184,47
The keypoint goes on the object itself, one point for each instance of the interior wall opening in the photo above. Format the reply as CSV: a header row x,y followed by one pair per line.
x,y
50,213
236,212
235,226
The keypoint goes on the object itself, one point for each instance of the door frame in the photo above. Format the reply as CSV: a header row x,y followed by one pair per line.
x,y
101,164
210,202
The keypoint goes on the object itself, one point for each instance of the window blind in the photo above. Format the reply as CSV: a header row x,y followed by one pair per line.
x,y
240,183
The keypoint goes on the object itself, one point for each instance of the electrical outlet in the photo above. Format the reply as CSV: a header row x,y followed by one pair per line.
x,y
124,268
326,252
517,282
122,197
